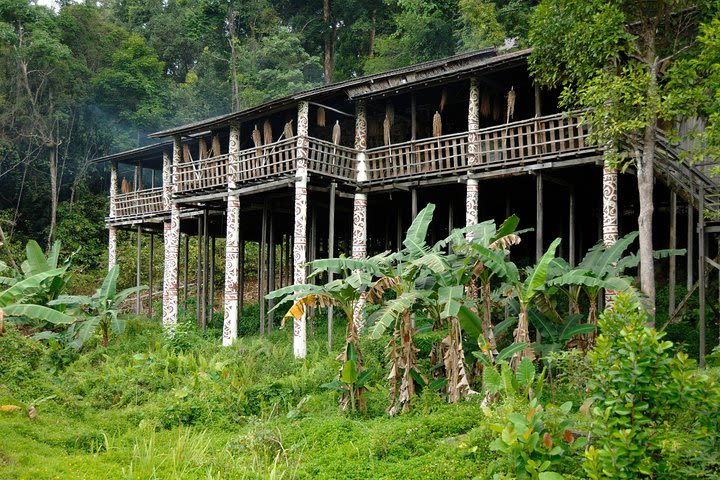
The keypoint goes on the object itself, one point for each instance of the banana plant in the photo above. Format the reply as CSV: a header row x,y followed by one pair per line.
x,y
16,301
602,268
37,262
355,276
526,290
102,309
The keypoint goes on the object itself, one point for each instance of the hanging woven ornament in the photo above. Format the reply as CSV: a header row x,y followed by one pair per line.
x,y
510,104
287,130
267,132
257,140
125,186
386,131
443,100
390,113
321,117
336,133
497,108
485,106
437,124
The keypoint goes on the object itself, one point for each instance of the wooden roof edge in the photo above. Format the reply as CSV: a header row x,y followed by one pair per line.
x,y
325,90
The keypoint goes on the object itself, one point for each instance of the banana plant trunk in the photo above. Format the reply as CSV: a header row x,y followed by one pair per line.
x,y
487,325
458,386
403,356
522,335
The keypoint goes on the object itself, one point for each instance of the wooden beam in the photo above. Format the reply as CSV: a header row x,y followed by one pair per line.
x,y
262,271
701,276
331,254
198,278
138,271
539,248
206,283
571,229
690,245
211,297
150,275
414,202
271,266
413,117
185,272
672,245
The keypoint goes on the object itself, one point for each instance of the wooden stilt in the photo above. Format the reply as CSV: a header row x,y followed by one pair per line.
x,y
271,267
331,254
571,228
690,245
281,261
150,272
413,117
262,267
199,280
539,247
538,102
211,296
312,254
672,246
241,276
398,229
205,276
185,272
702,253
451,222
414,202
138,272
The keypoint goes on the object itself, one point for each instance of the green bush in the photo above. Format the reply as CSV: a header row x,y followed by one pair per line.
x,y
645,397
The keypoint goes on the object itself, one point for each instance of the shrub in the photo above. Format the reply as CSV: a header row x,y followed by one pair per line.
x,y
646,397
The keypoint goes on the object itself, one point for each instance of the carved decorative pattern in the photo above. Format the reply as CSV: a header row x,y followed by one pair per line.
x,y
232,266
360,126
471,204
610,215
112,247
233,149
359,232
473,147
302,142
177,158
170,279
113,187
300,230
167,181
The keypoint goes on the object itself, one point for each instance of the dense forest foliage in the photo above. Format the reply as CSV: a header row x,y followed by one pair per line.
x,y
85,79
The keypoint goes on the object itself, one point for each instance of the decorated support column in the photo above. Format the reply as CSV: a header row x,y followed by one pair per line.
x,y
172,239
232,243
300,231
112,231
473,155
610,213
359,230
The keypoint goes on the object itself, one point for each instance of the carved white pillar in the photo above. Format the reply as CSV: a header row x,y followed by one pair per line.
x,y
112,231
473,155
232,244
359,230
172,241
610,213
300,231
471,204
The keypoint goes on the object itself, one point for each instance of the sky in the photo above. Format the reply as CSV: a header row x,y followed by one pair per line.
x,y
48,3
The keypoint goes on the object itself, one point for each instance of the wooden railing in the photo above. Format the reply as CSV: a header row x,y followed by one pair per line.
x,y
498,147
271,160
331,160
139,203
202,174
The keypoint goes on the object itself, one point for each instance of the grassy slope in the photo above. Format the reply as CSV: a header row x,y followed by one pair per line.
x,y
143,408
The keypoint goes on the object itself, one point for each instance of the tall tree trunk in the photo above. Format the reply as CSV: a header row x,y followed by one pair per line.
x,y
53,195
372,36
329,56
645,177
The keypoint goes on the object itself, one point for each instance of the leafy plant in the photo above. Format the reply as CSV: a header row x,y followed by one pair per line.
x,y
99,310
533,451
351,380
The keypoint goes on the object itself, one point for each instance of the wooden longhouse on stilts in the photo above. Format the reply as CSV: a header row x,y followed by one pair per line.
x,y
343,168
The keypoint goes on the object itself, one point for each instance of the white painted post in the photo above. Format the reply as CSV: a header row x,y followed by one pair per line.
x,y
232,243
610,214
172,239
359,229
471,198
112,231
300,232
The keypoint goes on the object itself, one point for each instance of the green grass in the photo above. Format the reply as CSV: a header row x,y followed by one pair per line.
x,y
145,407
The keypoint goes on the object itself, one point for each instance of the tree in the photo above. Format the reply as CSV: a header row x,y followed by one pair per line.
x,y
609,58
479,25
